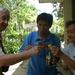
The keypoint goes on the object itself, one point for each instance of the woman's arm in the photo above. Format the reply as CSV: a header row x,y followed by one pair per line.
x,y
11,59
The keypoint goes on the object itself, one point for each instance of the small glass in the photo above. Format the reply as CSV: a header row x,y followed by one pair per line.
x,y
36,44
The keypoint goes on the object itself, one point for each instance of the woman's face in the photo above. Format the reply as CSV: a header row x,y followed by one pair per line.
x,y
71,33
43,27
4,18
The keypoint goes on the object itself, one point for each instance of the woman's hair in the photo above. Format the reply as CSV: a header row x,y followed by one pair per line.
x,y
69,22
5,10
46,17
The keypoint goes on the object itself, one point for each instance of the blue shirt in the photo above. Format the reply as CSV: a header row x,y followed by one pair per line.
x,y
37,64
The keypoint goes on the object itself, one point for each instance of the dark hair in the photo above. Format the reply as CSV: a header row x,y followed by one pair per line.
x,y
69,22
46,17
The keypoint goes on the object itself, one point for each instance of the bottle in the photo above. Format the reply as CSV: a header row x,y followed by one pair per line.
x,y
52,56
48,57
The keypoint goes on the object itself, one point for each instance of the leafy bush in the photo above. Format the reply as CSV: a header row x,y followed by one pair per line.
x,y
61,36
12,42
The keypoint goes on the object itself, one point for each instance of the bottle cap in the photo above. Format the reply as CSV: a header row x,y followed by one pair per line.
x,y
49,45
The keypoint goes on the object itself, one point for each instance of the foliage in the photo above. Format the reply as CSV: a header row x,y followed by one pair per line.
x,y
59,24
12,46
58,28
13,42
22,12
58,9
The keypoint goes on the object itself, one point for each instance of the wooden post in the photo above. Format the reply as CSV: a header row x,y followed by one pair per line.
x,y
67,4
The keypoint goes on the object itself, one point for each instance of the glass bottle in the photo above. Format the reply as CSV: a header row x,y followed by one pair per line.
x,y
49,57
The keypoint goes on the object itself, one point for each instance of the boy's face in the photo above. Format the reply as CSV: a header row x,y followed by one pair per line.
x,y
43,27
71,33
4,18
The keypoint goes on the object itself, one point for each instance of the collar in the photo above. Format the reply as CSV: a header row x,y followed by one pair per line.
x,y
38,38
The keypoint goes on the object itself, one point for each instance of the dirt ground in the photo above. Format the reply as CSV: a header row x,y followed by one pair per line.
x,y
22,69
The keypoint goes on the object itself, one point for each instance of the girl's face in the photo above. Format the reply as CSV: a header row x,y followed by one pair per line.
x,y
71,33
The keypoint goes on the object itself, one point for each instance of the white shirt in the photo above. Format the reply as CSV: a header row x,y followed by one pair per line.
x,y
70,51
1,53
